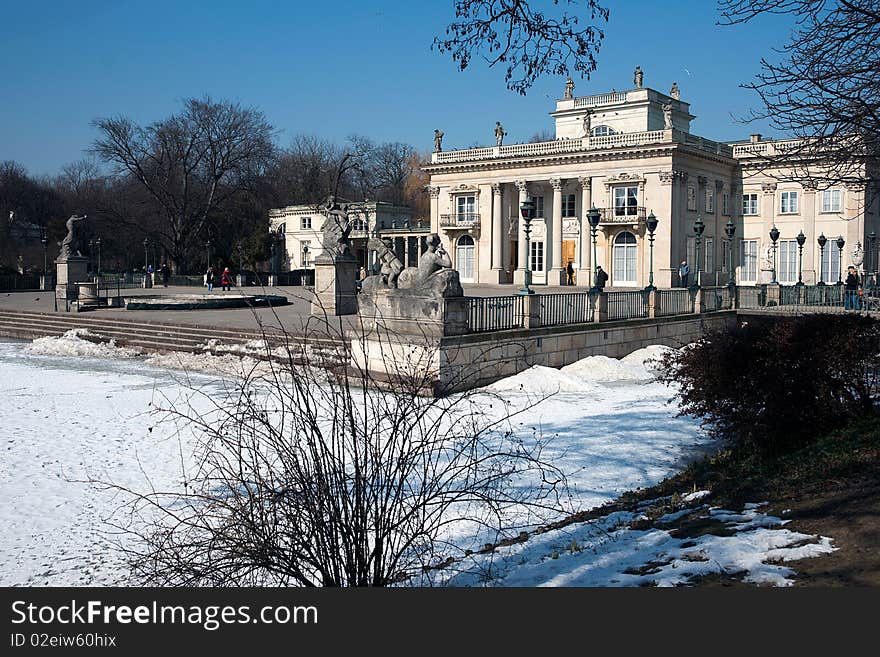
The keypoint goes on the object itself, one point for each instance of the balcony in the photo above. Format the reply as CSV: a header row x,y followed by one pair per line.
x,y
464,221
626,215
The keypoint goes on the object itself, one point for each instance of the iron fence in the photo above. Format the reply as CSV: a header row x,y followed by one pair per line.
x,y
679,301
494,313
717,298
567,308
627,305
16,282
751,296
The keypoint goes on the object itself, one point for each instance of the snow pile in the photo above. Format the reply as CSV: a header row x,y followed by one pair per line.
x,y
229,365
607,552
602,369
649,357
542,380
75,343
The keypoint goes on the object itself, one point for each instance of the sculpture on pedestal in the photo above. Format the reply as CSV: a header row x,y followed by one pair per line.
x,y
336,228
588,117
667,117
674,91
70,244
434,276
638,77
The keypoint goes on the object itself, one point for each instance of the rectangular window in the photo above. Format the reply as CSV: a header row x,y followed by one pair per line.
x,y
830,263
537,256
568,205
710,201
692,197
788,203
831,200
725,204
539,206
305,247
626,201
748,272
725,256
465,208
305,223
709,260
787,261
750,204
690,250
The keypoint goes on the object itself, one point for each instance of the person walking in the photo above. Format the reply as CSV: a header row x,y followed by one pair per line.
x,y
226,279
851,289
569,272
209,279
684,271
166,273
601,277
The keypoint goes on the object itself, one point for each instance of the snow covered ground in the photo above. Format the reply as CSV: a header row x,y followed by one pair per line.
x,y
77,410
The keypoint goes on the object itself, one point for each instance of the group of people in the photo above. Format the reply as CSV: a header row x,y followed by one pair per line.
x,y
225,279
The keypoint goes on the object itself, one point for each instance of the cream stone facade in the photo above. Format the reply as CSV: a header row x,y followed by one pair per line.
x,y
301,227
631,153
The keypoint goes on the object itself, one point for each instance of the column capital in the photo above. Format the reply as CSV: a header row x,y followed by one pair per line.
x,y
681,175
496,188
666,177
585,182
809,186
702,180
768,188
522,186
433,190
556,183
719,184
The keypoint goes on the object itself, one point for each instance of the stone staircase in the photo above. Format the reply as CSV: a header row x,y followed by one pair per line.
x,y
157,337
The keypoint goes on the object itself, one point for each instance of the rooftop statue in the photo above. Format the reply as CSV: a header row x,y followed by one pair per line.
x,y
438,141
70,243
667,116
638,77
499,133
674,91
569,89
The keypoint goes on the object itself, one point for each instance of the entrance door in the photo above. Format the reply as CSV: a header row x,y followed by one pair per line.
x,y
624,260
568,250
464,258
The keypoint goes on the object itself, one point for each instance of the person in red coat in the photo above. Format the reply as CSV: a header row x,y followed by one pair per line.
x,y
226,279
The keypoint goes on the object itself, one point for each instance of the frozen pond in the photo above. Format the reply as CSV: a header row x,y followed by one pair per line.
x,y
70,417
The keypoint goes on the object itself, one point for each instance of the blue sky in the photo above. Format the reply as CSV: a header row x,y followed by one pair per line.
x,y
334,69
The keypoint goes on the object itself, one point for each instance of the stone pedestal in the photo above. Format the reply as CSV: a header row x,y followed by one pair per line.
x,y
88,294
336,286
69,272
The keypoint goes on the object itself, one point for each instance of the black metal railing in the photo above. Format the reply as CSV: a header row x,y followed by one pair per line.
x,y
627,305
566,308
494,313
16,282
678,301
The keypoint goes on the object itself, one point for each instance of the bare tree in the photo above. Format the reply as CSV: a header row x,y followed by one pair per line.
x,y
310,477
190,163
824,91
529,42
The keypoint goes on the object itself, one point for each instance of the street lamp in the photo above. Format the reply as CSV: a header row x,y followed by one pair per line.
x,y
699,227
651,223
801,239
527,210
146,244
774,235
305,262
872,237
208,247
822,240
593,217
840,244
44,240
730,231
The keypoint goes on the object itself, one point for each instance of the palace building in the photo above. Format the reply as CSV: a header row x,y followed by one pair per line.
x,y
631,153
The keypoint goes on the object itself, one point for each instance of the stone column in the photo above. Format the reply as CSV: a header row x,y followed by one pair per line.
x,y
557,268
855,210
768,214
435,208
497,233
522,256
585,275
810,271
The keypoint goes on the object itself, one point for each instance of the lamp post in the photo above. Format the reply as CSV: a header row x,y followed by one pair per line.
x,y
730,231
593,217
840,244
872,238
146,244
527,210
98,244
651,223
44,240
801,239
699,227
208,247
822,240
774,235
305,262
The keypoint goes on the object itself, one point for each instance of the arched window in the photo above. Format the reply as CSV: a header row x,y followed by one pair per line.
x,y
602,130
464,258
624,260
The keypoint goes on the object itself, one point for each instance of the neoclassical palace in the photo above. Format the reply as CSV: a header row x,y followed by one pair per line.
x,y
630,153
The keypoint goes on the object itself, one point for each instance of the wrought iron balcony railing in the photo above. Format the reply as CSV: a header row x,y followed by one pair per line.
x,y
463,220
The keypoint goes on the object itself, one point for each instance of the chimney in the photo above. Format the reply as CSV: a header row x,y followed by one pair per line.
x,y
755,138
